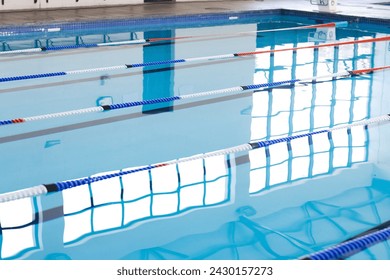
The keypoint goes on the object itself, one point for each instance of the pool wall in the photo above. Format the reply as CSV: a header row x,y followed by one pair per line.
x,y
10,5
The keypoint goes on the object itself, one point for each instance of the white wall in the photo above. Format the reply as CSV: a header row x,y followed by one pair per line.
x,y
10,5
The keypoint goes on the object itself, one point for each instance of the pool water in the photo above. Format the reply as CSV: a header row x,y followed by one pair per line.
x,y
284,201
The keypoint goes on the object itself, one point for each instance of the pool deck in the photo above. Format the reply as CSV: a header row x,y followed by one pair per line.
x,y
359,8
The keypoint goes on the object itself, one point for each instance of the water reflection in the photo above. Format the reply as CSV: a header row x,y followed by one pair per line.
x,y
288,111
286,234
19,227
119,204
116,203
307,158
165,191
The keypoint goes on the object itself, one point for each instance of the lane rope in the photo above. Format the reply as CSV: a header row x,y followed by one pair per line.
x,y
351,247
194,59
63,185
231,90
152,40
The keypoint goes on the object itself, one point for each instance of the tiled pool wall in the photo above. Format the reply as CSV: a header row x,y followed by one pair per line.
x,y
143,24
178,21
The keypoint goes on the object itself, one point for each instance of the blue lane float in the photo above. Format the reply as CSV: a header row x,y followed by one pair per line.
x,y
351,247
35,76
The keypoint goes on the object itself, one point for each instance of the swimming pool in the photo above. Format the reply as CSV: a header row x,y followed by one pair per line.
x,y
286,200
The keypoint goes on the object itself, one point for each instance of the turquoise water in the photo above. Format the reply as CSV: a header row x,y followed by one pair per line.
x,y
281,202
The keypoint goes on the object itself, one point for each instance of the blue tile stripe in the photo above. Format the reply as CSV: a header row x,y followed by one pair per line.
x,y
180,21
149,23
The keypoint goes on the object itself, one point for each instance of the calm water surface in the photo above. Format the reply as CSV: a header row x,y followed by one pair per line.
x,y
280,202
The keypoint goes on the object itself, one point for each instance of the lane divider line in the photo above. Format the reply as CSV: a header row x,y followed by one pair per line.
x,y
194,59
231,90
353,246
